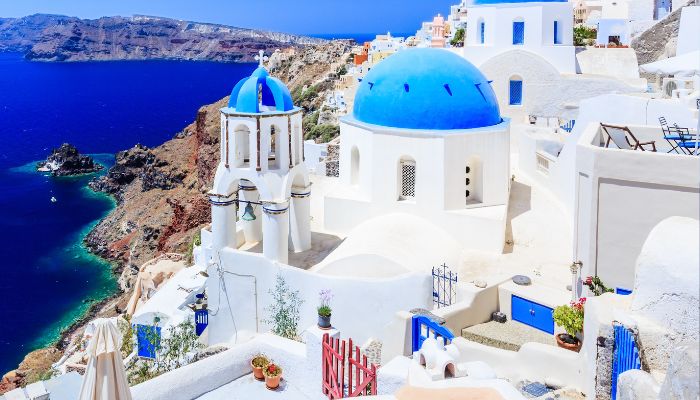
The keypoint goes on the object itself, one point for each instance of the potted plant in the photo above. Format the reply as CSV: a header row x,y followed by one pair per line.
x,y
258,363
570,317
273,374
324,309
596,286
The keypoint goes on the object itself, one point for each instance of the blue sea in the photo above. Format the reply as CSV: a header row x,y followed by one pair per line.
x,y
47,278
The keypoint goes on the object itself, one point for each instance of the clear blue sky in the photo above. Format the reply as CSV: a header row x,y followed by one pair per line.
x,y
294,16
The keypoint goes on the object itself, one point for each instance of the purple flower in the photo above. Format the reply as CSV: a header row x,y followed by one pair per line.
x,y
325,297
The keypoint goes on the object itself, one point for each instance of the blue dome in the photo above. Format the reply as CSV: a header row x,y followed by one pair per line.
x,y
426,89
244,97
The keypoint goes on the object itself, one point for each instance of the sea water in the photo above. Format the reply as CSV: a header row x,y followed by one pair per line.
x,y
47,277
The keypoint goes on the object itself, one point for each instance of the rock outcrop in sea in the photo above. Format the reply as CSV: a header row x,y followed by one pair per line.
x,y
66,161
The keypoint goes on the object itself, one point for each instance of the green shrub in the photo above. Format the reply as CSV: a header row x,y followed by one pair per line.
x,y
127,336
299,95
196,241
570,317
284,310
582,35
458,39
596,285
170,351
323,133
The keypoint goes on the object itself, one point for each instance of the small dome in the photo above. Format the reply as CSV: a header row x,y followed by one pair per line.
x,y
275,95
426,89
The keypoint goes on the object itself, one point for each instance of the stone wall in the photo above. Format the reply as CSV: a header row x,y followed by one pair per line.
x,y
333,160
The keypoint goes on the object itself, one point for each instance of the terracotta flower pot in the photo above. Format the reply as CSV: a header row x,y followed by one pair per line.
x,y
258,371
569,346
272,382
273,374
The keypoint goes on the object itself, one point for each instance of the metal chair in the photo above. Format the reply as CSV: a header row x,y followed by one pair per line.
x,y
672,138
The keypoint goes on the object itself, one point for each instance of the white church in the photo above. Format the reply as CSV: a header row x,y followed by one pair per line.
x,y
425,174
426,138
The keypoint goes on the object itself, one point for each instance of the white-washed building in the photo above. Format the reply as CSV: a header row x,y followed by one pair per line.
x,y
425,138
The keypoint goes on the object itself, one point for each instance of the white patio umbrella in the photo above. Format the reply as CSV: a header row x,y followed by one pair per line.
x,y
687,64
105,378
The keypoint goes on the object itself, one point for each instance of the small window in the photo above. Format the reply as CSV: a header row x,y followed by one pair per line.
x,y
482,32
516,92
557,37
408,179
518,32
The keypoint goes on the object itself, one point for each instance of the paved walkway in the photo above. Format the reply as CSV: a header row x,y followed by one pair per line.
x,y
248,388
509,335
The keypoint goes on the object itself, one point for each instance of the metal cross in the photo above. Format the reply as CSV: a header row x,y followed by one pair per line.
x,y
261,57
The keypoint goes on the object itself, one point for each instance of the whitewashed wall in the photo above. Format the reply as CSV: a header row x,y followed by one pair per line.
x,y
539,32
689,30
546,92
441,158
361,307
621,196
611,109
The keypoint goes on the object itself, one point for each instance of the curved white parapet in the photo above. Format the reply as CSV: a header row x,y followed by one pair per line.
x,y
440,361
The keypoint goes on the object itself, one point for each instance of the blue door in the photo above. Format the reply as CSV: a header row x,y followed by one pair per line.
x,y
532,314
148,338
625,355
518,32
516,92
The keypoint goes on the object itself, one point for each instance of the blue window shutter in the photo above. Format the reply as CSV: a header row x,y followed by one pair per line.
x,y
482,32
516,93
556,33
518,32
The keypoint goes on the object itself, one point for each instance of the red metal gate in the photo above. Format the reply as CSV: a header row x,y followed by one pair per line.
x,y
362,379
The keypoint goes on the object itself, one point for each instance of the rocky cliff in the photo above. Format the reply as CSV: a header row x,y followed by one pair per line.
x,y
658,42
60,38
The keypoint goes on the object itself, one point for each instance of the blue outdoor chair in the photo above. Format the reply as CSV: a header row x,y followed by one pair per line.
x,y
672,138
680,139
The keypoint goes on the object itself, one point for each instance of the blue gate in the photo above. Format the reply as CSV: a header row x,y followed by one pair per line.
x,y
148,338
422,327
201,320
568,126
625,355
444,286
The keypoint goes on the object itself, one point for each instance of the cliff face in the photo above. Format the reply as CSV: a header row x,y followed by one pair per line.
x,y
60,38
658,42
